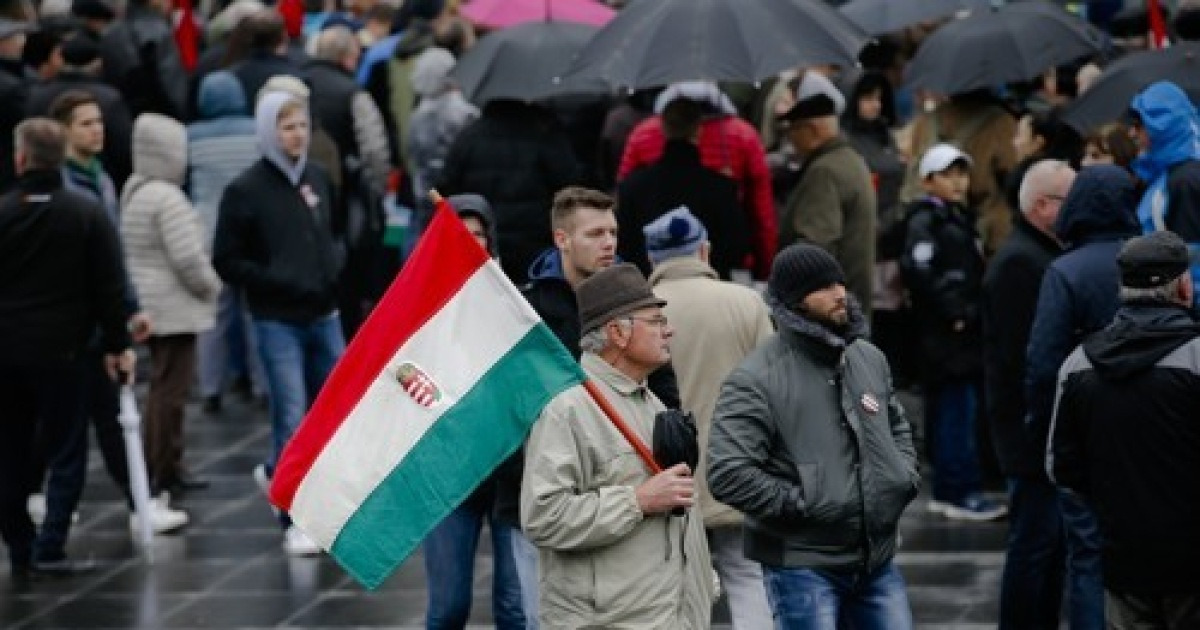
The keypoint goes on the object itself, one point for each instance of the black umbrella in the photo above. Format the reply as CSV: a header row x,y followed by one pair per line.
x,y
523,63
1109,96
886,16
989,48
658,42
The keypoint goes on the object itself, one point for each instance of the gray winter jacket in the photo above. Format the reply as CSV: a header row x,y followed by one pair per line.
x,y
809,442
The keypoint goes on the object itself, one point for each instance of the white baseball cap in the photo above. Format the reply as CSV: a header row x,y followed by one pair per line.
x,y
939,157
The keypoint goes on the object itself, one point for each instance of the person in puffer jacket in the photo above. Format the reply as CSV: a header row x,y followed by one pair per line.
x,y
170,267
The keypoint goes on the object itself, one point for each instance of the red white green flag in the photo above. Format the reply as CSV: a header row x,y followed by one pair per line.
x,y
441,384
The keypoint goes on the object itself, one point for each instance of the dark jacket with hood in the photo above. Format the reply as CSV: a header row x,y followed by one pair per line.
x,y
1010,297
678,178
810,442
874,141
1171,168
274,236
62,273
1126,436
517,156
942,266
1079,291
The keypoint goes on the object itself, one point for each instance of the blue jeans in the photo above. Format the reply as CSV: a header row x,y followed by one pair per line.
x,y
1085,594
808,599
296,359
222,350
1032,586
526,557
450,571
950,412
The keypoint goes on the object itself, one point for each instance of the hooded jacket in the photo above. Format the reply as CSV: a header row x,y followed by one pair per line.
x,y
221,146
1079,291
1171,167
164,242
810,442
274,236
1126,436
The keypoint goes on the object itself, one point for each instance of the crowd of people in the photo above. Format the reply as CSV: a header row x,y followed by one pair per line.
x,y
777,259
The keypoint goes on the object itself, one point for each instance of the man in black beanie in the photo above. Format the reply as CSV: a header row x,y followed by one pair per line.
x,y
1124,435
810,442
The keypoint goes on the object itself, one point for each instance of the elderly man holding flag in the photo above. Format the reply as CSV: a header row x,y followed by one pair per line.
x,y
618,545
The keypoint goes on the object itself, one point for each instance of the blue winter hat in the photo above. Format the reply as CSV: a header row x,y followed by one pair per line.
x,y
674,234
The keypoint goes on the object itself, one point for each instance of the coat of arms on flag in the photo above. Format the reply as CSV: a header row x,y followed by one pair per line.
x,y
419,386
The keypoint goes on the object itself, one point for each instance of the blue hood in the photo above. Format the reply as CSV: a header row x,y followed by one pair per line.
x,y
1101,205
221,94
1171,122
547,266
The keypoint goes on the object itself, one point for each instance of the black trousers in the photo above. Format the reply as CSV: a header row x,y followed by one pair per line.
x,y
45,401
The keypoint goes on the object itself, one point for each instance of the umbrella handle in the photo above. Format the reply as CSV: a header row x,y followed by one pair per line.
x,y
129,417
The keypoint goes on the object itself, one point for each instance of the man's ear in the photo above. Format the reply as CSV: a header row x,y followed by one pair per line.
x,y
560,239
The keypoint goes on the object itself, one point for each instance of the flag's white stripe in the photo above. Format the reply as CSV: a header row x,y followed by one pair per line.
x,y
456,347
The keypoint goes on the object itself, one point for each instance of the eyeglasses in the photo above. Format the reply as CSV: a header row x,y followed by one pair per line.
x,y
661,321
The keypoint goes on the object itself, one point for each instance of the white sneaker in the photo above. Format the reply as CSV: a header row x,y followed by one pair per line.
x,y
297,543
36,506
264,484
162,518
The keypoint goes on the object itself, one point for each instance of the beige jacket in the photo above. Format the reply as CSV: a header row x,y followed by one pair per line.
x,y
716,325
165,244
603,564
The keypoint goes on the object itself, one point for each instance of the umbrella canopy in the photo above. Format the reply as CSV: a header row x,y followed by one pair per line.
x,y
506,13
523,63
1109,97
886,16
658,42
989,48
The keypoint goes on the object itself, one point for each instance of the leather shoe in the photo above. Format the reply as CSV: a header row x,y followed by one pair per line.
x,y
63,567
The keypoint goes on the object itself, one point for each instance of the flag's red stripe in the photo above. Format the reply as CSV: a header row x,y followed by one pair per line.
x,y
444,259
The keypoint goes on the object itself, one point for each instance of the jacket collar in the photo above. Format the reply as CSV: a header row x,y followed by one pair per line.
x,y
681,151
1023,226
40,181
600,370
829,147
681,268
822,342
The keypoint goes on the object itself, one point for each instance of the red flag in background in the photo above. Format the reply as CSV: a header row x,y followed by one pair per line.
x,y
187,36
1158,25
292,12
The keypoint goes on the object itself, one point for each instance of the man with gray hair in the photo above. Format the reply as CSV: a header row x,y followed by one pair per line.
x,y
1031,589
1125,436
833,204
619,546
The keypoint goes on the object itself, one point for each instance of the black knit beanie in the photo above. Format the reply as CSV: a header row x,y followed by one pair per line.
x,y
801,269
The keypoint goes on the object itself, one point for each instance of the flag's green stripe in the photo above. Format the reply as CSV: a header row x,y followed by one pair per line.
x,y
483,428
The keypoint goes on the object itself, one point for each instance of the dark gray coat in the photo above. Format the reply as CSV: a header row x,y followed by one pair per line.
x,y
809,441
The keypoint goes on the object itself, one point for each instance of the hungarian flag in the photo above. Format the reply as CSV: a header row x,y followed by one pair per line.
x,y
440,385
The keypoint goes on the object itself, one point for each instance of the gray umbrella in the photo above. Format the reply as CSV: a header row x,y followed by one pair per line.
x,y
1109,96
886,16
523,63
657,42
1015,43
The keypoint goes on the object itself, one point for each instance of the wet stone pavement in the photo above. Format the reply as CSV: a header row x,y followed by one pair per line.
x,y
227,569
